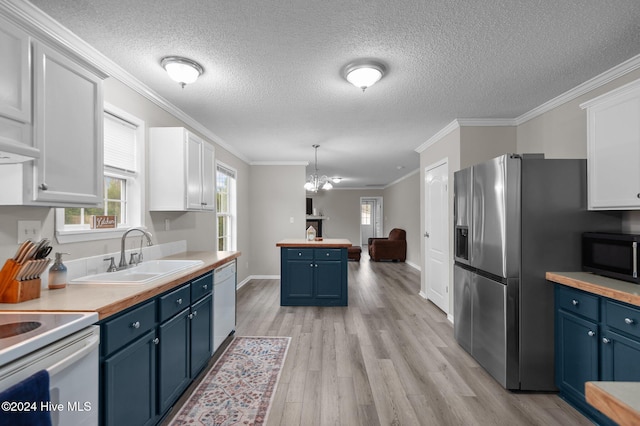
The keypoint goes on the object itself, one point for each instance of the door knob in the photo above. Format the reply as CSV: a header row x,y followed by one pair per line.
x,y
426,234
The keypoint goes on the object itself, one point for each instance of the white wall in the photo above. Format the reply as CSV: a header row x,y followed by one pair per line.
x,y
402,210
277,211
342,206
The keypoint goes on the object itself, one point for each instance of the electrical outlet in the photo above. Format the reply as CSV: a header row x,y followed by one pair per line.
x,y
29,229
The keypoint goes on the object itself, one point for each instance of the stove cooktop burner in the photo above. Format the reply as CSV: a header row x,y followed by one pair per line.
x,y
16,328
22,332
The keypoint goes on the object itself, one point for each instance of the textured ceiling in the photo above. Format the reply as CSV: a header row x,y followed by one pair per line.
x,y
272,85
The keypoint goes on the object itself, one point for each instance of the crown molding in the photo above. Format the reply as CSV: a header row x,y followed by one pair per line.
x,y
407,176
435,138
608,76
279,163
42,26
618,71
486,122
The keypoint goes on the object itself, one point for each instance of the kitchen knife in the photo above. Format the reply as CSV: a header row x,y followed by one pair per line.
x,y
22,272
22,250
31,253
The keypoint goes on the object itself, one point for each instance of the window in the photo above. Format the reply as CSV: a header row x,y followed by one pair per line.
x,y
365,214
226,206
123,175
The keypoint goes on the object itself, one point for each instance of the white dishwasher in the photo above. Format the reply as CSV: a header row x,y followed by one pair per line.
x,y
224,303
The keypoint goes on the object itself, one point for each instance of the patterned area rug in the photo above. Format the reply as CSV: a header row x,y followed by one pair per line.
x,y
238,390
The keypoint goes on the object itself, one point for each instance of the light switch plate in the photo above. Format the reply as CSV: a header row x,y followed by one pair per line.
x,y
29,229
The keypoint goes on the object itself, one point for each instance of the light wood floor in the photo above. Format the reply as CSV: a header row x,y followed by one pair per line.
x,y
389,358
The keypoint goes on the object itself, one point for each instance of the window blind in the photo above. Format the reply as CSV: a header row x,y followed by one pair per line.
x,y
226,171
120,144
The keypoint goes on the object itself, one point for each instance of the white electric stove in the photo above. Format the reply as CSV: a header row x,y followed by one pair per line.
x,y
66,346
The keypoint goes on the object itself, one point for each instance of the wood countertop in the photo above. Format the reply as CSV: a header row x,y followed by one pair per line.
x,y
620,401
608,287
327,242
109,299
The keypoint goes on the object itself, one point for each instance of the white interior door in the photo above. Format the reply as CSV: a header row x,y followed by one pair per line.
x,y
436,276
370,218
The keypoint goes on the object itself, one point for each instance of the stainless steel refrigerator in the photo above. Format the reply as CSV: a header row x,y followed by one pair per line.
x,y
517,217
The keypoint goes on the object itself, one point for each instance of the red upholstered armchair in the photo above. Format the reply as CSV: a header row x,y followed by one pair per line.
x,y
392,248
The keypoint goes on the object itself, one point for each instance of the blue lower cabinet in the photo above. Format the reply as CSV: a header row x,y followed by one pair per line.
x,y
129,384
313,277
576,352
201,331
299,279
173,359
152,352
596,340
620,358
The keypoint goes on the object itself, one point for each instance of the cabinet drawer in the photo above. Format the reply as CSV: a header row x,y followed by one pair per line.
x,y
201,286
577,302
622,317
328,254
300,253
128,327
172,303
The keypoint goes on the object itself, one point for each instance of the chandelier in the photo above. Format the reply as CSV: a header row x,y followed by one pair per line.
x,y
315,182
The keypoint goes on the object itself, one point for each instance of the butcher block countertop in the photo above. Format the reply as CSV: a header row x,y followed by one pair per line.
x,y
109,299
327,242
608,287
620,401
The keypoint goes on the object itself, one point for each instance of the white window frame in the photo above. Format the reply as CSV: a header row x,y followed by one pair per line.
x,y
135,192
233,211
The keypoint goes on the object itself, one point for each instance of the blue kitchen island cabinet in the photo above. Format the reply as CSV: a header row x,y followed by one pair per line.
x,y
313,273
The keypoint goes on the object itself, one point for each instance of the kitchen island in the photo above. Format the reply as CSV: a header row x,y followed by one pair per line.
x,y
313,273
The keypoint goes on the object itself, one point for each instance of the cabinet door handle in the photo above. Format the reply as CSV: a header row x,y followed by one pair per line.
x,y
327,254
605,340
135,324
179,301
195,313
43,186
156,341
575,302
591,333
190,316
205,286
629,321
311,265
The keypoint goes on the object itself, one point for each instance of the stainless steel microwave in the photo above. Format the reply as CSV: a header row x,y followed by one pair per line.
x,y
611,255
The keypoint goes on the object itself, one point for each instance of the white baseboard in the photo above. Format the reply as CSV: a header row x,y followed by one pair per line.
x,y
423,295
257,277
413,265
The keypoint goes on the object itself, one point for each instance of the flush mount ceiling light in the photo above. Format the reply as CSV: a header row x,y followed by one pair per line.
x,y
364,73
183,70
316,182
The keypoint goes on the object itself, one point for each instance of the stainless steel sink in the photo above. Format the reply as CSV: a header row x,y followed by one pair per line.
x,y
144,273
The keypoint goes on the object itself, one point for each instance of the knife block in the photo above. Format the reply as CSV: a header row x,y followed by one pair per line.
x,y
12,291
20,291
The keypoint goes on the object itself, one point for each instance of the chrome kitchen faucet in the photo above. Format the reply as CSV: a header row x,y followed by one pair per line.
x,y
123,262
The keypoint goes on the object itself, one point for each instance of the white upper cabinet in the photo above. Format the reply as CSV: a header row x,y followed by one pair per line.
x,y
15,93
181,171
68,130
15,75
613,149
51,109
